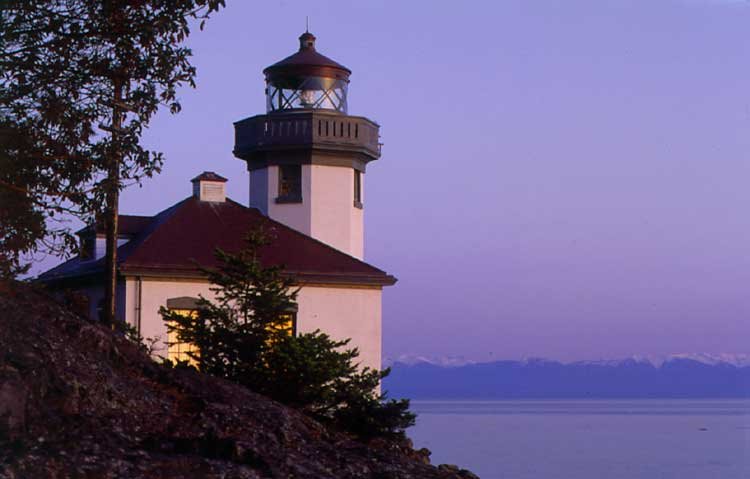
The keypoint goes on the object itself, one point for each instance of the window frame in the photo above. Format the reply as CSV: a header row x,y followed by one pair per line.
x,y
287,182
358,189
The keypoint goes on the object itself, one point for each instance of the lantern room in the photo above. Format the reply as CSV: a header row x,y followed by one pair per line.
x,y
306,80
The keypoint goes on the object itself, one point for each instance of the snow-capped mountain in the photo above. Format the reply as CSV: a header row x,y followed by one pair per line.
x,y
739,360
674,376
411,359
734,359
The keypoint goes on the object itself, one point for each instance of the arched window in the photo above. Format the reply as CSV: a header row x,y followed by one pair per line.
x,y
187,306
177,351
289,321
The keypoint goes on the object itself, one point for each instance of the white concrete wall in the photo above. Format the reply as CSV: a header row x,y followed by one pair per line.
x,y
357,223
154,294
345,313
120,301
340,312
130,304
334,218
294,215
259,190
95,295
327,212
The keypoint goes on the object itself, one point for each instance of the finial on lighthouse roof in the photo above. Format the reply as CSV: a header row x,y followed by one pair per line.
x,y
307,41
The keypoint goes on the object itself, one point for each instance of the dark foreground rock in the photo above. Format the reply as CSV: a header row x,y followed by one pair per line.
x,y
77,401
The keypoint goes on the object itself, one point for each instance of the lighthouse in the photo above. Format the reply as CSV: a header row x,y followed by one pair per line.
x,y
307,157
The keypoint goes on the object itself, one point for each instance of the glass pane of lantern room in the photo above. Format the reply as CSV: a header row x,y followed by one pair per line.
x,y
309,92
288,99
272,98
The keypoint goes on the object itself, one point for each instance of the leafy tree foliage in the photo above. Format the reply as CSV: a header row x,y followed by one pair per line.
x,y
79,82
243,336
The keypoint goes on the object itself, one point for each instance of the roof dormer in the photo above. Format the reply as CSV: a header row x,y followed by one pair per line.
x,y
208,186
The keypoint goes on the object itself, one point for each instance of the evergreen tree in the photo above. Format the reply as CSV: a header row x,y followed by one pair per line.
x,y
233,332
244,336
367,414
319,376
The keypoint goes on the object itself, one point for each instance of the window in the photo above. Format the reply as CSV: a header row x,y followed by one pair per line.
x,y
357,189
289,324
290,184
177,351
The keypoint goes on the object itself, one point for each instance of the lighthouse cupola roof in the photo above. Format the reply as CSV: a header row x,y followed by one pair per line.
x,y
306,80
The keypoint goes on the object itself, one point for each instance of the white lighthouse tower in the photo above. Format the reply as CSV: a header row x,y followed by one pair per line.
x,y
306,156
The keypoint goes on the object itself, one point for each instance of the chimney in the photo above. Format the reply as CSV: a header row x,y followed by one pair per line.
x,y
208,186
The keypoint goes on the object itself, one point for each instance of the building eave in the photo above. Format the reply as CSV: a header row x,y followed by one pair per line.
x,y
301,277
72,280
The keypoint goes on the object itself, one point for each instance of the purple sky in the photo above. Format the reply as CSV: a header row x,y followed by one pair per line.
x,y
559,179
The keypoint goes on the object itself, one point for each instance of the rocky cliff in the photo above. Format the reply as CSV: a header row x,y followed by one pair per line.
x,y
77,401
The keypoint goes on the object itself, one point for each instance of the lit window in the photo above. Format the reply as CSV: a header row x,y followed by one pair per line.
x,y
177,351
290,184
287,325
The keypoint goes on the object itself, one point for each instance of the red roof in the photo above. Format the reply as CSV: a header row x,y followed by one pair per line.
x,y
127,225
307,61
306,58
178,239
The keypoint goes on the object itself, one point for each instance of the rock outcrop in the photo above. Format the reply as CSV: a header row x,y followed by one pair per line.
x,y
78,401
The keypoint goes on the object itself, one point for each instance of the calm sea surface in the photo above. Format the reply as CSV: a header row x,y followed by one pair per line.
x,y
589,439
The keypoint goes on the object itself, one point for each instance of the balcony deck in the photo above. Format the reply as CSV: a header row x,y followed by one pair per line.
x,y
313,131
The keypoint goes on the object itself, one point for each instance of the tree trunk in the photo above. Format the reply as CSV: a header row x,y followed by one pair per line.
x,y
112,210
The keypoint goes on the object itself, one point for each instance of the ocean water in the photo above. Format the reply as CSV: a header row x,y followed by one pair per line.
x,y
588,439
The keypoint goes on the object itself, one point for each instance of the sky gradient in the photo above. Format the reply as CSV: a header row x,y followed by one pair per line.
x,y
559,179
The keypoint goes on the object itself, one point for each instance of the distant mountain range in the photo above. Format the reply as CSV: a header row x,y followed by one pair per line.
x,y
678,376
